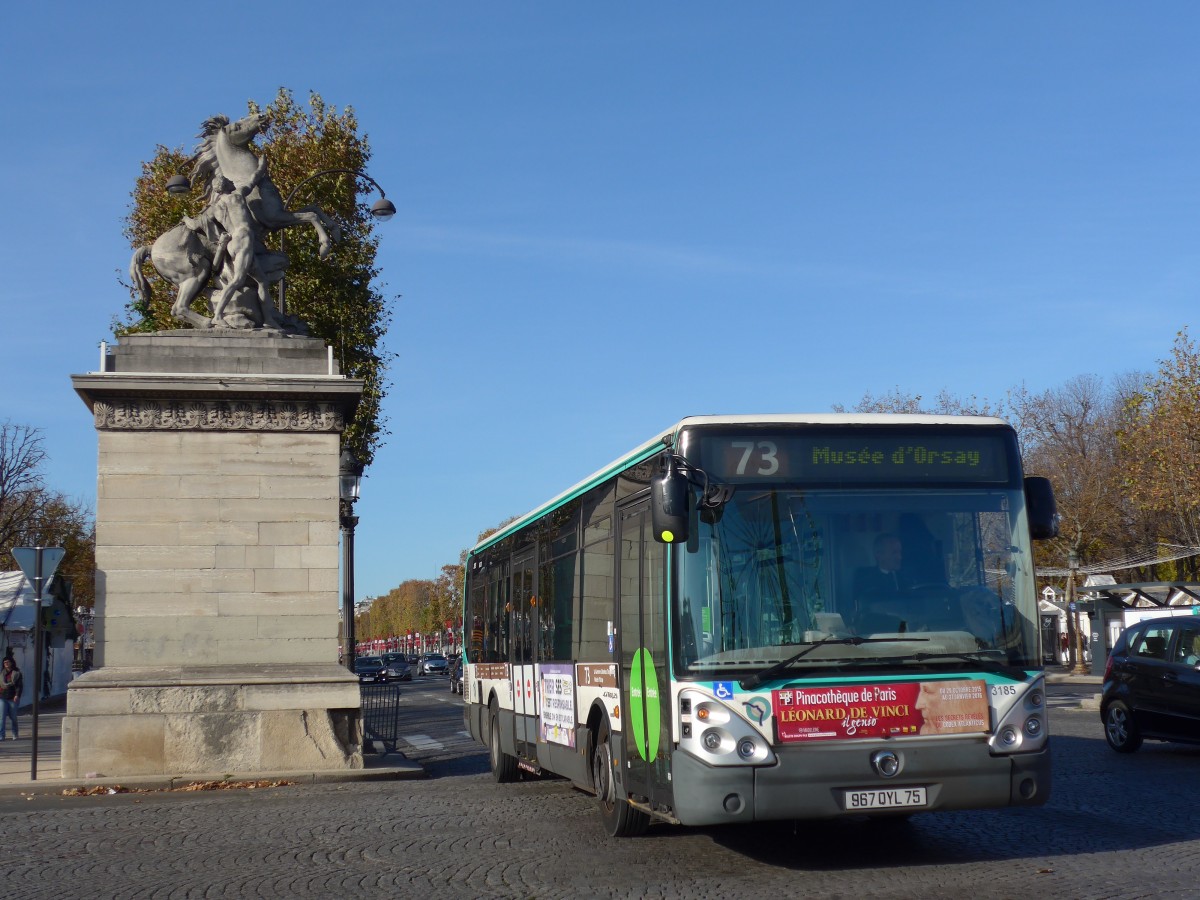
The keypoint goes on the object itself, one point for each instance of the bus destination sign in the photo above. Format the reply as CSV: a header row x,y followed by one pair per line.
x,y
906,457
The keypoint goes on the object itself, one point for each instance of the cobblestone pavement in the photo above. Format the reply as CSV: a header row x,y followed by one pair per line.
x,y
1116,827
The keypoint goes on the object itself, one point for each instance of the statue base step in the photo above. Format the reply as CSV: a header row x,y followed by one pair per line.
x,y
128,720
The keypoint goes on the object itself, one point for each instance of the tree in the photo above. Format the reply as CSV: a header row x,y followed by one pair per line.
x,y
32,515
446,600
21,481
334,296
1071,439
1160,443
61,522
402,609
944,404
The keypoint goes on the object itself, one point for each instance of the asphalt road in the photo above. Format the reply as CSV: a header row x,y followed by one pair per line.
x,y
1116,827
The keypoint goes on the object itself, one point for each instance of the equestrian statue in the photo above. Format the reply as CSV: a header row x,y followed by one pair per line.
x,y
224,243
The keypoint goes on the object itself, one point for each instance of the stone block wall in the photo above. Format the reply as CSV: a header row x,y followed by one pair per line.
x,y
217,548
217,552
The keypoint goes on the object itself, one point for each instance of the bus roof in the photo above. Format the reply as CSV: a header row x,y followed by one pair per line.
x,y
655,444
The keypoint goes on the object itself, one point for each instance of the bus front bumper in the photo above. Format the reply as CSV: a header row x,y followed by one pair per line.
x,y
812,782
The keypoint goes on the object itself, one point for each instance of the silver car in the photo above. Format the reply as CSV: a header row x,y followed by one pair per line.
x,y
434,664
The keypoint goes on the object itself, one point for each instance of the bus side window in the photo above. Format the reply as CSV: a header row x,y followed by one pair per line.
x,y
477,609
596,600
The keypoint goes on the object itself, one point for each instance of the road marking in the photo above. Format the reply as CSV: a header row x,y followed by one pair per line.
x,y
423,742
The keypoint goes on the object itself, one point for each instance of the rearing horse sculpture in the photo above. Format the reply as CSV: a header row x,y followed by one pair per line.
x,y
225,150
192,252
184,258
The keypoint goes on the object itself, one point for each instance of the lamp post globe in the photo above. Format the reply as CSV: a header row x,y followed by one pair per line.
x,y
383,209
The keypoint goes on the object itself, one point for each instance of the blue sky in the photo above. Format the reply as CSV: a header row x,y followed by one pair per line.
x,y
615,215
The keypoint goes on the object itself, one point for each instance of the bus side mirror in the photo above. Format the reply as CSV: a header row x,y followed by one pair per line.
x,y
669,507
1041,508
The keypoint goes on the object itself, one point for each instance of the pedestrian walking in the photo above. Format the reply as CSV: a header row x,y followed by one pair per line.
x,y
11,683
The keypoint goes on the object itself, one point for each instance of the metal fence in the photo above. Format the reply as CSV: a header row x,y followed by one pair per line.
x,y
381,713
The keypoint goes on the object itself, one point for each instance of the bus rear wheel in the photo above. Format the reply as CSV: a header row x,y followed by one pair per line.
x,y
504,767
620,819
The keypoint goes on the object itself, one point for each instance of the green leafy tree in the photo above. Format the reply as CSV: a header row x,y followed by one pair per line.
x,y
335,296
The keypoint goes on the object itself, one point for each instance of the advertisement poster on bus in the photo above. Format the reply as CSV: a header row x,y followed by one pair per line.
x,y
856,711
558,704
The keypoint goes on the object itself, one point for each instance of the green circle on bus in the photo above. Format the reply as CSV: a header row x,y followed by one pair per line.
x,y
645,710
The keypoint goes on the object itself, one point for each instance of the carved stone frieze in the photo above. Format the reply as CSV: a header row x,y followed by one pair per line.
x,y
150,414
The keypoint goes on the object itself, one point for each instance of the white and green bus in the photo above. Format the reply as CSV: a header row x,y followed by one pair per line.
x,y
772,617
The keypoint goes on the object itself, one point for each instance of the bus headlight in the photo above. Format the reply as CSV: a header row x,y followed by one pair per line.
x,y
1023,727
711,730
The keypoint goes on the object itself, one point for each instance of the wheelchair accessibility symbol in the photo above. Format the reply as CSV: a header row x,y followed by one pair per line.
x,y
723,690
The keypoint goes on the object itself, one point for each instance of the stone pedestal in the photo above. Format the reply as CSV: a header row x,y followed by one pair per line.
x,y
216,560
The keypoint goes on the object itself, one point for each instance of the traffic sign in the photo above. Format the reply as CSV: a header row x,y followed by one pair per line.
x,y
39,565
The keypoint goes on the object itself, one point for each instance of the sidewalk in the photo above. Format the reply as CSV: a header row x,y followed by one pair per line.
x,y
1063,675
16,765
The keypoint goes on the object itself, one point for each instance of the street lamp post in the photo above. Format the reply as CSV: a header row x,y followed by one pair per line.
x,y
382,209
349,480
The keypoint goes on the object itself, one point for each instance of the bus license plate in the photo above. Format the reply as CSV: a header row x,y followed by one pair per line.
x,y
894,798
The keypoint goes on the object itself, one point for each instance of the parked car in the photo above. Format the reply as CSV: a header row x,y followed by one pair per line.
x,y
456,675
433,664
369,669
1152,684
396,667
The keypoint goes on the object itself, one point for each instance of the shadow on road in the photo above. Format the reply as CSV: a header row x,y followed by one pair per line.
x,y
1101,802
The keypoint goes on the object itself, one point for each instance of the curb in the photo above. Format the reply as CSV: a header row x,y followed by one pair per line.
x,y
56,786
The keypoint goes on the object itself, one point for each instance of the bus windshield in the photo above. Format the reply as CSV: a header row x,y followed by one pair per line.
x,y
870,577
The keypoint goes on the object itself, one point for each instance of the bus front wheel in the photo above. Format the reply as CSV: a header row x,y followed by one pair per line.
x,y
620,819
504,767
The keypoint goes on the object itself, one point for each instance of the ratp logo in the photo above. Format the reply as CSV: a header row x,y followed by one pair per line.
x,y
757,709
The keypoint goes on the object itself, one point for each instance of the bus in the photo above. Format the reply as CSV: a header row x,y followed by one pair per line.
x,y
772,618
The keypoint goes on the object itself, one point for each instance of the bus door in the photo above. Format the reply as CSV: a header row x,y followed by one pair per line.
x,y
642,639
524,631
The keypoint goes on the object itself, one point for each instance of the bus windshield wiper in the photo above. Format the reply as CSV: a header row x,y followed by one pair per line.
x,y
989,665
751,682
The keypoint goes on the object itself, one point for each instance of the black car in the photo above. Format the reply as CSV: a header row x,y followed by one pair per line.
x,y
1152,684
456,675
396,667
369,669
